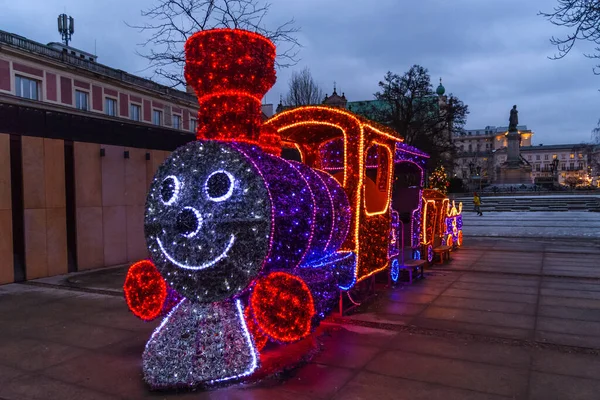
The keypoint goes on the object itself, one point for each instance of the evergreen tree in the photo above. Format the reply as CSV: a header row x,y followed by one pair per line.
x,y
439,180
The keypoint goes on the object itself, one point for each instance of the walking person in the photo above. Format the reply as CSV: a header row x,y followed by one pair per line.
x,y
477,202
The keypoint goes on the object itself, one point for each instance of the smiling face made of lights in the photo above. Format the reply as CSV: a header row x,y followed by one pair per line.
x,y
208,221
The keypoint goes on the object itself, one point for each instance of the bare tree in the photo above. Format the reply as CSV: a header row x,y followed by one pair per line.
x,y
583,18
596,134
173,21
303,90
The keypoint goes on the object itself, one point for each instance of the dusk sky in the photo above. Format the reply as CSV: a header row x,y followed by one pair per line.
x,y
491,54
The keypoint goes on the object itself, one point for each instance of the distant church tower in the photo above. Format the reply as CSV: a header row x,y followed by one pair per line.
x,y
280,106
335,100
440,92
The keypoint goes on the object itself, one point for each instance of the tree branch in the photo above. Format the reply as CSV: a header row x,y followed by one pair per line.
x,y
172,22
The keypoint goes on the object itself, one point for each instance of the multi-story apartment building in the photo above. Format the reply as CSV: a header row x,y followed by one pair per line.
x,y
476,152
58,75
575,163
482,152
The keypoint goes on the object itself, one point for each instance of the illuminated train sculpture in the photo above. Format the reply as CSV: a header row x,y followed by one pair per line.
x,y
244,244
247,247
441,225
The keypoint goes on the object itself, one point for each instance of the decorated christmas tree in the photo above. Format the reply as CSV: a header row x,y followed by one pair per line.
x,y
439,180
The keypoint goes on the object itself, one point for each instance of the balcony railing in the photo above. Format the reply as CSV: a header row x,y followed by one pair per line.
x,y
38,48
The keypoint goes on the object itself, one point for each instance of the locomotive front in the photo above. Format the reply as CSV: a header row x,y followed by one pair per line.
x,y
244,244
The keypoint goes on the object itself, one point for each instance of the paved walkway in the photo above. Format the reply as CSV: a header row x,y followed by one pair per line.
x,y
506,319
578,225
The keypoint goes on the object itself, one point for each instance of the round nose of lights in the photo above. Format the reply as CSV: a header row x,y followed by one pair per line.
x,y
189,221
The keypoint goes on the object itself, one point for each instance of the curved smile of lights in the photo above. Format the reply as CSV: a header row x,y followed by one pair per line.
x,y
201,266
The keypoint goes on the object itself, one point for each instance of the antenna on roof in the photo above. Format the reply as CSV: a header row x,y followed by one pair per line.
x,y
66,27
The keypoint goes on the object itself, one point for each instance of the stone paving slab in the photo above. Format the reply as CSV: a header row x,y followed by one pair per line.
x,y
367,385
547,225
464,332
463,349
557,387
491,379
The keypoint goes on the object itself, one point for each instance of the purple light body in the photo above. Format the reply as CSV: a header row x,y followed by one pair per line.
x,y
173,298
332,154
311,214
323,212
406,153
342,213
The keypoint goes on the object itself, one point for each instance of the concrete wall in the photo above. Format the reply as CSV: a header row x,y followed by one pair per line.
x,y
110,193
44,203
6,237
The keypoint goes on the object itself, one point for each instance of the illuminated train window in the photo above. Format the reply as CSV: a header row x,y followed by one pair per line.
x,y
291,153
376,183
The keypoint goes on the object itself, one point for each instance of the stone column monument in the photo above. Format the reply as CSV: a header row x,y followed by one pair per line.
x,y
515,170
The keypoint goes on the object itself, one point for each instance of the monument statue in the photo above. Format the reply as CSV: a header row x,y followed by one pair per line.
x,y
515,170
513,120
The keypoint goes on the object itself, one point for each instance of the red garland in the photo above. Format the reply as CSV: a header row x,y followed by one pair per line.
x,y
230,70
260,339
283,306
145,290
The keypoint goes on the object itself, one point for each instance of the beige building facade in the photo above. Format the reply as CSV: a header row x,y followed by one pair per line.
x,y
481,152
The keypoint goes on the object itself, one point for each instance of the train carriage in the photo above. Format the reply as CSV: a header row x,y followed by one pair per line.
x,y
340,142
382,177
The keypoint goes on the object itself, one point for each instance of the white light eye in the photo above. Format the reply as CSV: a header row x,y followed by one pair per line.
x,y
219,186
169,190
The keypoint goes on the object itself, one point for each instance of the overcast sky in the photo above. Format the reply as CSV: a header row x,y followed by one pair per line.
x,y
490,53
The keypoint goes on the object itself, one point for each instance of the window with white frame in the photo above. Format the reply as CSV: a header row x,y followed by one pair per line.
x,y
157,117
81,100
27,88
193,124
110,106
176,121
135,111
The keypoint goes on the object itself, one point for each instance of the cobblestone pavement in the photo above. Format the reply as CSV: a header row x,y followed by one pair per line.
x,y
505,319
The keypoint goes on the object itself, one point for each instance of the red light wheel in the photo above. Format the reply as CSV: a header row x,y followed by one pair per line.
x,y
283,306
145,290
